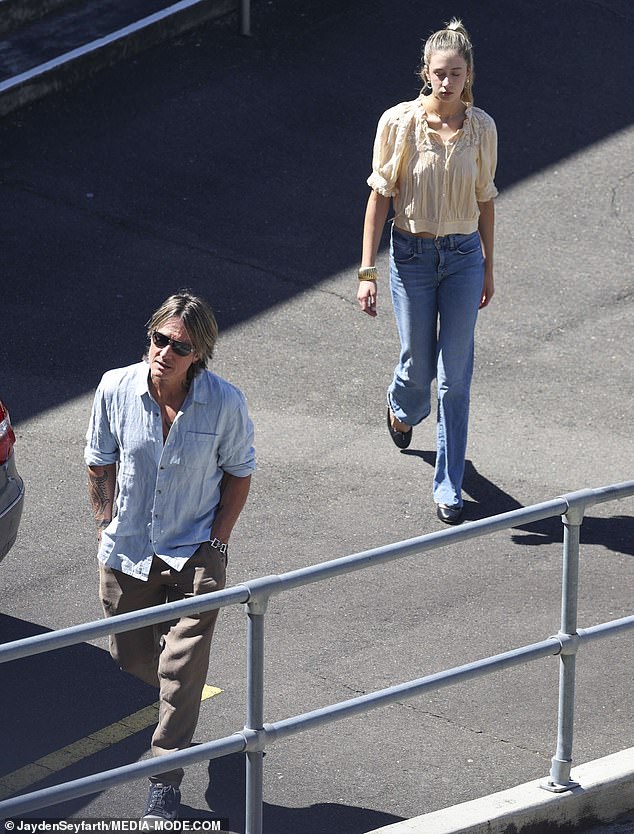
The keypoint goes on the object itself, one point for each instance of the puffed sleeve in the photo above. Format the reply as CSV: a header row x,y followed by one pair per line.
x,y
487,161
388,149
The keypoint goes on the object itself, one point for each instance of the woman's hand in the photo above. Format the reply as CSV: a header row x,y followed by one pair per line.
x,y
487,290
375,216
366,296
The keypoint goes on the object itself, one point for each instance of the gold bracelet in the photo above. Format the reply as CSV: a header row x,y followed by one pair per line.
x,y
368,273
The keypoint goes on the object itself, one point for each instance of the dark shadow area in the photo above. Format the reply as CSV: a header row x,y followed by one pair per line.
x,y
52,700
226,798
615,533
237,166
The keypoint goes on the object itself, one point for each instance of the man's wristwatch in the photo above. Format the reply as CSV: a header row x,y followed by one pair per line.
x,y
218,545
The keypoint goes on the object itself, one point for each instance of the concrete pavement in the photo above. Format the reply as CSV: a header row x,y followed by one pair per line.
x,y
185,162
606,789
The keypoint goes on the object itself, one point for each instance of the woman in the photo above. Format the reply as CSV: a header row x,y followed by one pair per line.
x,y
434,159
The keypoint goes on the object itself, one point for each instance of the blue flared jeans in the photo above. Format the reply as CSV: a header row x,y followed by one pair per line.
x,y
436,286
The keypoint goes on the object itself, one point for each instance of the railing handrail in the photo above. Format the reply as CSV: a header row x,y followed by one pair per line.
x,y
268,585
256,593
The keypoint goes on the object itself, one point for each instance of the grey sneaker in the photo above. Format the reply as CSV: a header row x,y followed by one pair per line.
x,y
162,803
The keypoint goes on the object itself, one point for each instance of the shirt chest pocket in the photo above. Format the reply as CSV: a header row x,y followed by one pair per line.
x,y
198,450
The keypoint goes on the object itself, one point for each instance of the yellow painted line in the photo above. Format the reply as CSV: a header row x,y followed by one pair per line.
x,y
209,692
34,772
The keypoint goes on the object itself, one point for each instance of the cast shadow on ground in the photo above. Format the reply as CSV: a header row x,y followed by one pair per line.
x,y
615,533
247,184
55,699
52,700
226,796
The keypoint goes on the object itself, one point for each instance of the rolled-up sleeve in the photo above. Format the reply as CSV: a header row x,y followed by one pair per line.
x,y
487,162
237,454
386,154
101,447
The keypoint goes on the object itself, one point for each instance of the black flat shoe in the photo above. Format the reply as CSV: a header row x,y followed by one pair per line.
x,y
402,439
450,515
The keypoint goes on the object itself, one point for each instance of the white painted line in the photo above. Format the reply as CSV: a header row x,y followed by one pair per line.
x,y
94,46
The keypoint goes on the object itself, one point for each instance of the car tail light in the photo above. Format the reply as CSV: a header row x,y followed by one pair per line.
x,y
7,438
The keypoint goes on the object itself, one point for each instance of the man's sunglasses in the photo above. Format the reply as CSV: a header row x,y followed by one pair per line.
x,y
162,341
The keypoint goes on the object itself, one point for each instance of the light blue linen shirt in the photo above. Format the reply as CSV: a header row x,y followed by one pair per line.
x,y
167,493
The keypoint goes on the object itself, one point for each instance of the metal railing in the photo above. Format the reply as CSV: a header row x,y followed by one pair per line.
x,y
256,734
245,17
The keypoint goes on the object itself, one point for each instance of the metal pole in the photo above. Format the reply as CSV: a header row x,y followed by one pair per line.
x,y
255,713
245,17
561,762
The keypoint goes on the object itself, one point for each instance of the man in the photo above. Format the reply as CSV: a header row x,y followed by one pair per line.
x,y
174,442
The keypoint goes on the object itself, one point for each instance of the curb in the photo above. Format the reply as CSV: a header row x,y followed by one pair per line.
x,y
605,792
82,62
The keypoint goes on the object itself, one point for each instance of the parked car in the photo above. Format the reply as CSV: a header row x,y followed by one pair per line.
x,y
11,486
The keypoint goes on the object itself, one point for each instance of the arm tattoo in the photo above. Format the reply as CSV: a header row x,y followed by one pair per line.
x,y
98,491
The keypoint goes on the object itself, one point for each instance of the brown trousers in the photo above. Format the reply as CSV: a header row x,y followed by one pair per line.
x,y
172,656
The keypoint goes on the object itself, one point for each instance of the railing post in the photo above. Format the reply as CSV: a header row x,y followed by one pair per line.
x,y
245,17
256,610
561,763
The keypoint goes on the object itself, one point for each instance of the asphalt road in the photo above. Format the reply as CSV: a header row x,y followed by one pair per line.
x,y
237,167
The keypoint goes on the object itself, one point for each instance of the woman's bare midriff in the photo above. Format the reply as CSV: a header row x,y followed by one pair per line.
x,y
415,234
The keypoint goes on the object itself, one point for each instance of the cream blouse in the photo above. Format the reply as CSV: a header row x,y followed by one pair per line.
x,y
435,185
